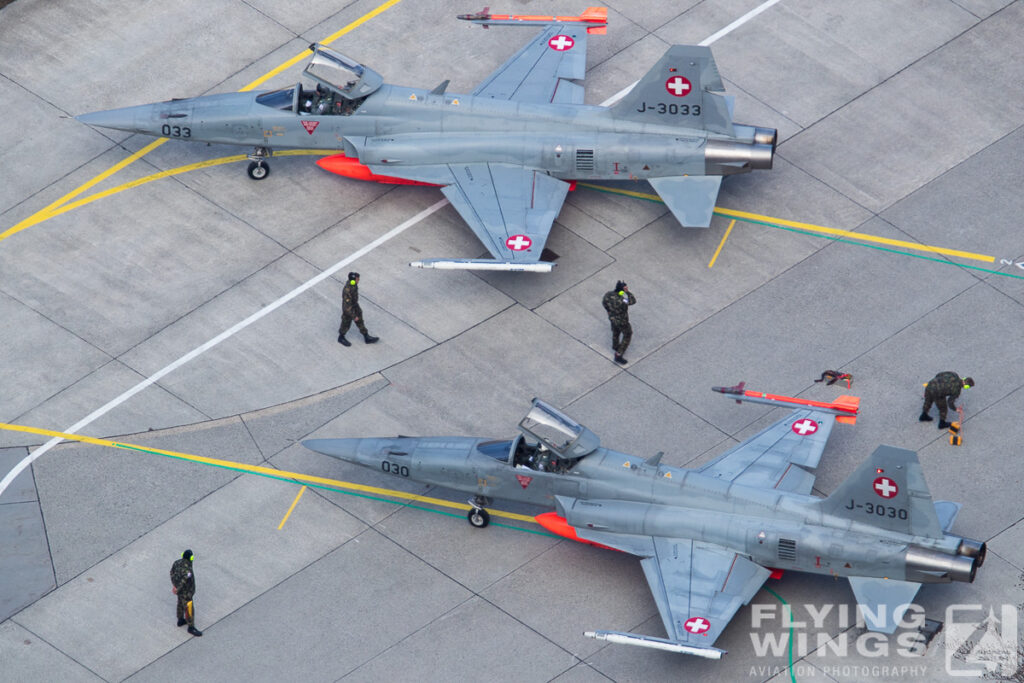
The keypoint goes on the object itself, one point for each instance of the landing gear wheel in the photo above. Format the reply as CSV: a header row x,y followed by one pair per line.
x,y
479,517
258,170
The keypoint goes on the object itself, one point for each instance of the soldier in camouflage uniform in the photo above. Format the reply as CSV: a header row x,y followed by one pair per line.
x,y
943,391
617,303
183,584
351,312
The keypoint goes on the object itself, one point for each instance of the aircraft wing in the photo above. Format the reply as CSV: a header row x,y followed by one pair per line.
x,y
698,587
509,207
776,457
541,71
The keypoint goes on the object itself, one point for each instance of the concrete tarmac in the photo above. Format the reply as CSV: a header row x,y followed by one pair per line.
x,y
901,127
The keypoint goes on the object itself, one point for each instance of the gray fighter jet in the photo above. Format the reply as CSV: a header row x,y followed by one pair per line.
x,y
504,153
708,537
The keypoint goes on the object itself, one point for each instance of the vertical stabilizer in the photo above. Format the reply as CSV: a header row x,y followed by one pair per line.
x,y
682,89
888,490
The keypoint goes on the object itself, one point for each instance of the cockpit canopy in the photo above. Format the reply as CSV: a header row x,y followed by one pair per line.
x,y
346,77
558,432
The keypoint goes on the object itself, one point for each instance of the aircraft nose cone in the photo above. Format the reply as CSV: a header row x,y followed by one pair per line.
x,y
118,119
345,449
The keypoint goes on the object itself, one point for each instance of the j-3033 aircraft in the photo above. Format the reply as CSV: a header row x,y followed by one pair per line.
x,y
708,537
505,154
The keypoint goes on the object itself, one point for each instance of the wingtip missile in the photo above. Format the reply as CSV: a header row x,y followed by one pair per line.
x,y
596,19
484,264
655,643
845,407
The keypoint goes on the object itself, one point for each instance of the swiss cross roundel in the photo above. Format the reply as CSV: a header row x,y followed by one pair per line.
x,y
518,242
561,43
697,625
678,86
804,427
885,487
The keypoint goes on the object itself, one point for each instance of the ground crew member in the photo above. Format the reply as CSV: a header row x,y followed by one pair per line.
x,y
183,584
942,390
351,312
617,303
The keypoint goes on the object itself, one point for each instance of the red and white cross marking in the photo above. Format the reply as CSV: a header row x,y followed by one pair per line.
x,y
886,487
561,43
678,86
805,426
518,242
697,625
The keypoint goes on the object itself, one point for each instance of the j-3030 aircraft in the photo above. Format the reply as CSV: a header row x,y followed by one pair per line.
x,y
505,154
708,537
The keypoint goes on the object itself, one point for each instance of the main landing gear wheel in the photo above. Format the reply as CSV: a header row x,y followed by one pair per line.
x,y
479,517
258,170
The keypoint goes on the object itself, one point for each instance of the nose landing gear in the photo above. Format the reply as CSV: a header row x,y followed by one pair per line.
x,y
477,516
258,167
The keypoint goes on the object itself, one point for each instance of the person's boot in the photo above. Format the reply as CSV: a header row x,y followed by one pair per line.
x,y
925,417
370,339
620,360
182,622
943,424
194,631
343,341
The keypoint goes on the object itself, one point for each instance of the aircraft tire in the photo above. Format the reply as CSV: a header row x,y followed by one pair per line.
x,y
258,171
479,517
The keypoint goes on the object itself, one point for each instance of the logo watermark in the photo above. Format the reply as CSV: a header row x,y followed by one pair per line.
x,y
979,641
981,645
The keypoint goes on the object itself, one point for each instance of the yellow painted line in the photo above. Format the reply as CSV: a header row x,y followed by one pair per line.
x,y
855,235
131,184
722,243
326,41
257,469
294,503
810,227
51,210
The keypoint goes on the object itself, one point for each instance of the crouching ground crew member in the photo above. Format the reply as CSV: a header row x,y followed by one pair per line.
x,y
943,390
183,584
351,312
617,303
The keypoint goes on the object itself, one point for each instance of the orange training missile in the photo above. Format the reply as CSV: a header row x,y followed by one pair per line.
x,y
591,15
844,406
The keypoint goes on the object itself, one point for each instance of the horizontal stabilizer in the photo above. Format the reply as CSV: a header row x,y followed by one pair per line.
x,y
883,601
655,643
691,199
483,264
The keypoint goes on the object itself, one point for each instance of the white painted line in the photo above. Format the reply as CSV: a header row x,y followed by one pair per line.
x,y
237,327
704,43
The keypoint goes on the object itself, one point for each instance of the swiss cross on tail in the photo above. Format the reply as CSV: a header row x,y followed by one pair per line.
x,y
681,90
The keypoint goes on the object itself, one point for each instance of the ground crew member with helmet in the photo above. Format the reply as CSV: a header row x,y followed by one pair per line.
x,y
351,312
183,584
617,303
943,390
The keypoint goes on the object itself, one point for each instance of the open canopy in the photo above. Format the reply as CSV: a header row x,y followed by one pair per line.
x,y
558,432
345,76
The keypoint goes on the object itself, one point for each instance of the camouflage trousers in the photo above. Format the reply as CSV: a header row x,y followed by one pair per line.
x,y
346,322
183,612
942,402
622,334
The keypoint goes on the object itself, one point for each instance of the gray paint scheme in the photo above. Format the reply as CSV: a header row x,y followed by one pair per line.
x,y
502,153
708,536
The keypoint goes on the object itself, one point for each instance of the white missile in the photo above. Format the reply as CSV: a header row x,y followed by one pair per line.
x,y
484,264
655,643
